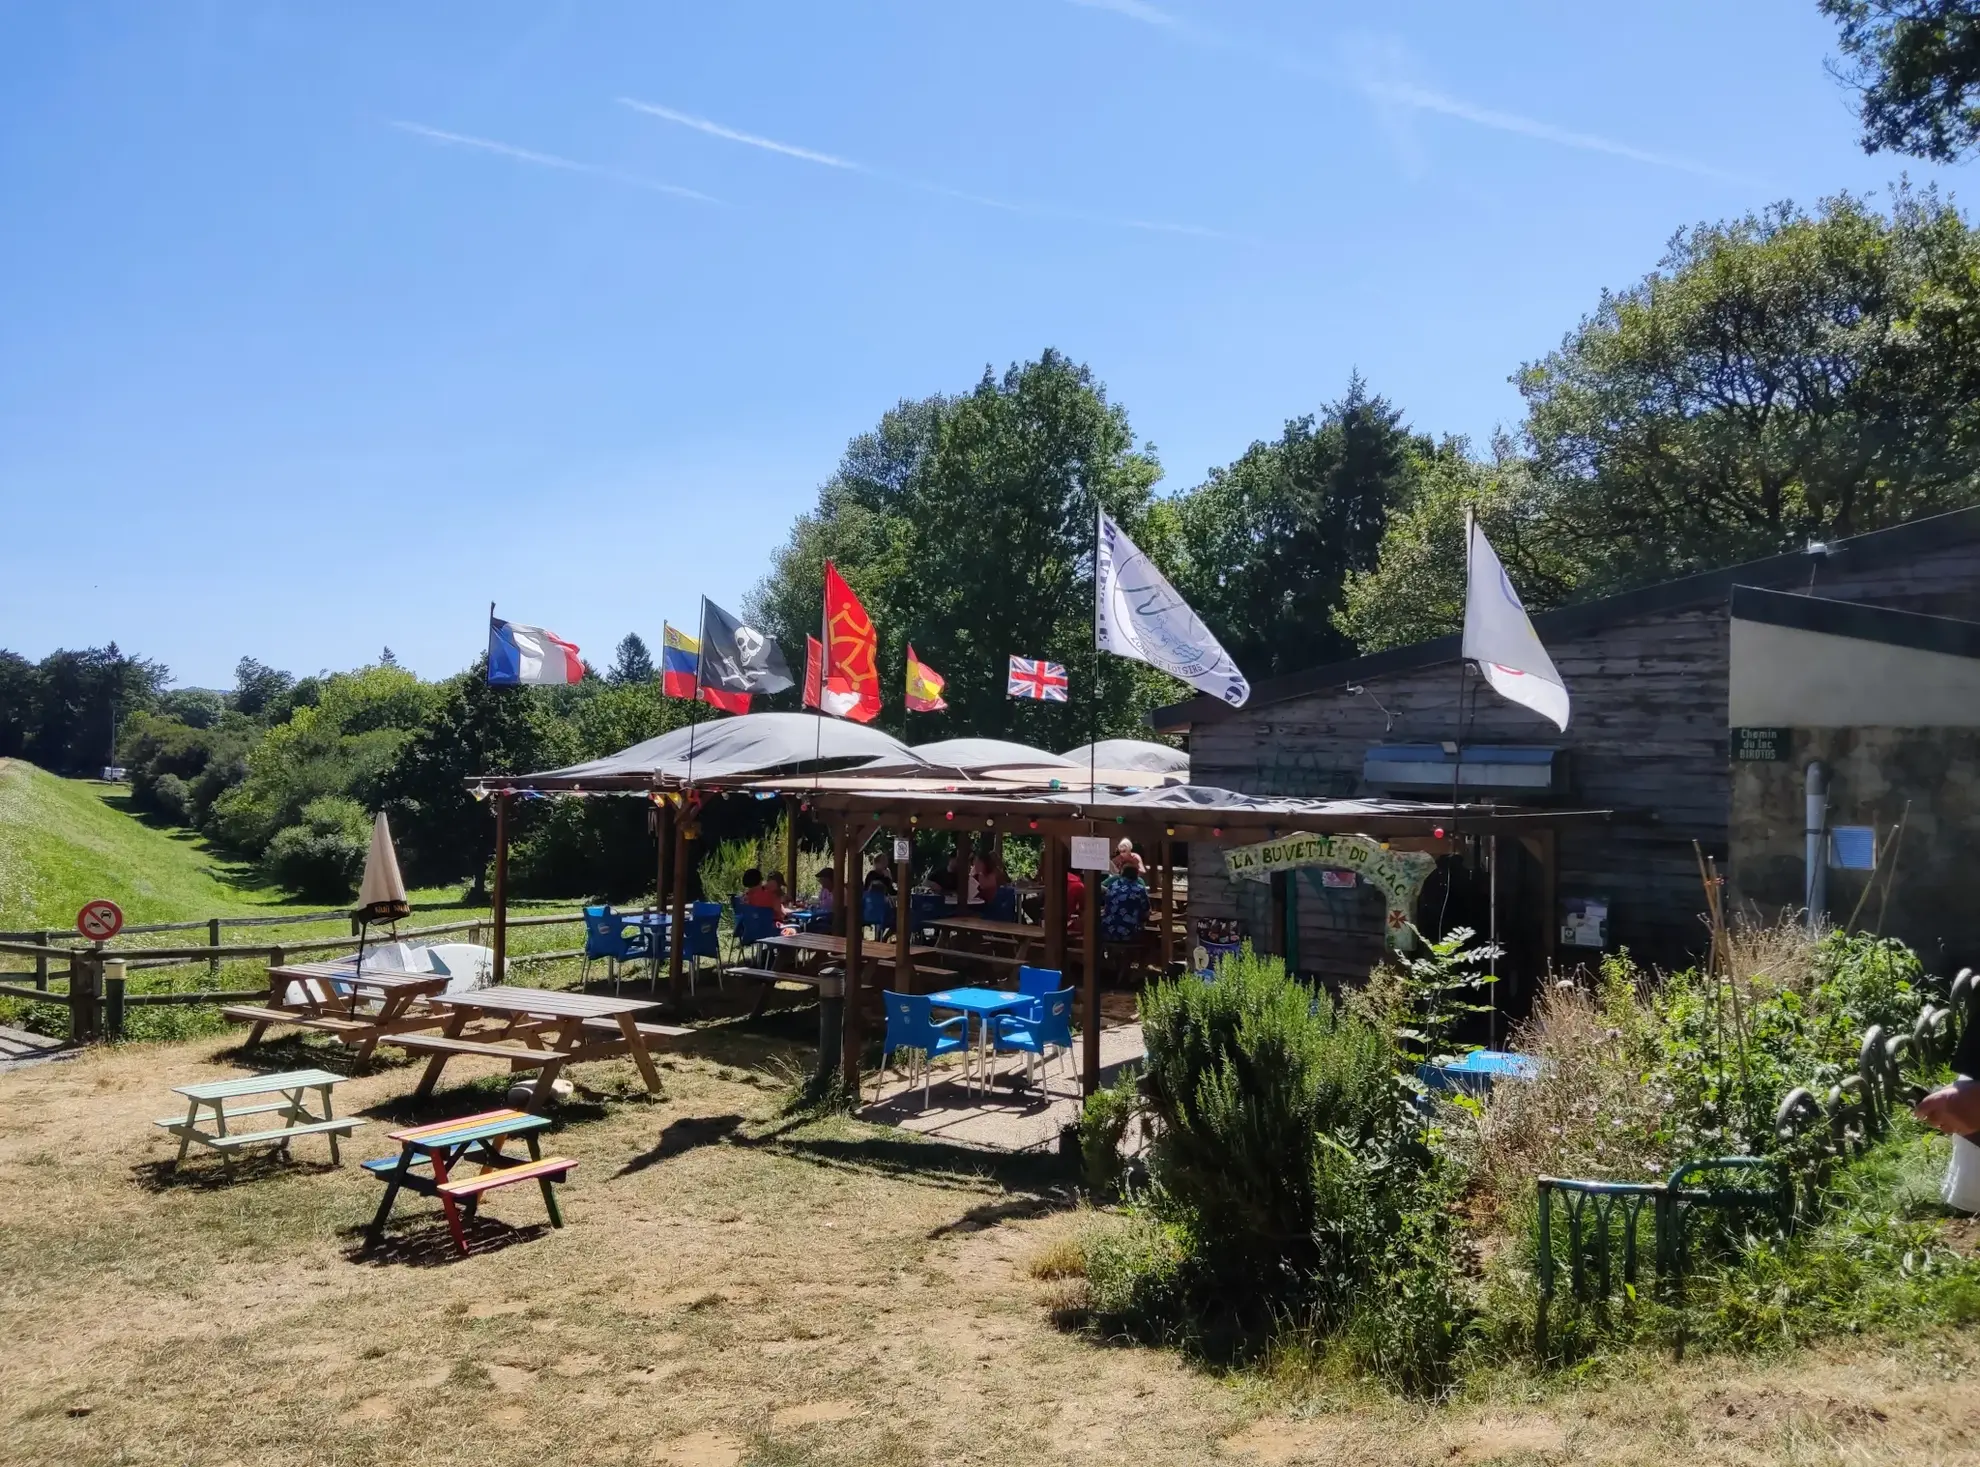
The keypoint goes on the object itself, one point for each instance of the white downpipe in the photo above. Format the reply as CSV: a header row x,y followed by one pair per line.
x,y
1815,886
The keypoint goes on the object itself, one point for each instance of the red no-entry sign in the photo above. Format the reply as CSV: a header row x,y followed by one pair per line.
x,y
100,920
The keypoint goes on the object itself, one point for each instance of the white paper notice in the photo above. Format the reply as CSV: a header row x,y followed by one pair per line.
x,y
1090,853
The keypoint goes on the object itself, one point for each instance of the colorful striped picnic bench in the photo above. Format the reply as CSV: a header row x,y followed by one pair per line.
x,y
429,1155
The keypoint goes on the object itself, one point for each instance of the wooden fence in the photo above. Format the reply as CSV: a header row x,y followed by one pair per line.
x,y
95,992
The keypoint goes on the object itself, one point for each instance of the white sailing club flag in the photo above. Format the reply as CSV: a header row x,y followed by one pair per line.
x,y
1139,615
1500,639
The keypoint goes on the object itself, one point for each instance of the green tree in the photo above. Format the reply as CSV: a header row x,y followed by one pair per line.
x,y
1916,67
631,663
965,524
1416,590
1267,544
79,701
259,687
443,833
1780,377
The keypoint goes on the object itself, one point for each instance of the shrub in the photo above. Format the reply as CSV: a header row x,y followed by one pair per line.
x,y
1440,991
1246,1076
322,857
172,797
1103,1125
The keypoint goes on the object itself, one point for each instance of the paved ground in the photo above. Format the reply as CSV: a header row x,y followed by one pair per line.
x,y
19,1047
1006,1116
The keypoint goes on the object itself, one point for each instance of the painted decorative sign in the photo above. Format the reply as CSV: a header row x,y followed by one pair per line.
x,y
1398,874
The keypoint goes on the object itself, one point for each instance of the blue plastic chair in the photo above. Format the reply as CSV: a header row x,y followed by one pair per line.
x,y
606,936
1048,1025
1003,906
703,939
1037,982
877,912
752,925
926,908
911,1026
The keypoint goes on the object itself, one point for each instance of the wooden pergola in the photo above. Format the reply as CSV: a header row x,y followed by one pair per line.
x,y
855,808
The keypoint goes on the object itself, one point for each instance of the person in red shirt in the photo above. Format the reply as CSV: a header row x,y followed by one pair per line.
x,y
1075,897
764,891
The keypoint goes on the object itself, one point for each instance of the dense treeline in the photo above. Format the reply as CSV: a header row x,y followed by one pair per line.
x,y
1781,377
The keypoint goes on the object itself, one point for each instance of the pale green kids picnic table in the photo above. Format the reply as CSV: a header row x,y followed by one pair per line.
x,y
227,1102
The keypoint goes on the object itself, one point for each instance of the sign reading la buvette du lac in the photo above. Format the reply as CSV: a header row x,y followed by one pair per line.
x,y
1399,874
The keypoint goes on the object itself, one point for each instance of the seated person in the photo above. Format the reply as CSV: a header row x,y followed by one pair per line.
x,y
764,891
987,875
828,888
1123,849
942,878
1075,897
880,876
1124,903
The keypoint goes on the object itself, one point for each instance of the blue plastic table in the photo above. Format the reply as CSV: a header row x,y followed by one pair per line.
x,y
985,1004
1474,1073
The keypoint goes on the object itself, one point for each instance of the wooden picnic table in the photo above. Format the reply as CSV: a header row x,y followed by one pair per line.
x,y
292,1086
537,1028
359,1007
445,1145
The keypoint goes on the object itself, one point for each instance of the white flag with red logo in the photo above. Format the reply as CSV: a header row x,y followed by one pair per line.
x,y
1500,639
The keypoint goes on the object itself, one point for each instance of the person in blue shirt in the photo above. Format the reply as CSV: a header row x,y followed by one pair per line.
x,y
1124,902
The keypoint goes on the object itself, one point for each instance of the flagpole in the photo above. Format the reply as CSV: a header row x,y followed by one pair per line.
x,y
1093,717
694,709
1457,747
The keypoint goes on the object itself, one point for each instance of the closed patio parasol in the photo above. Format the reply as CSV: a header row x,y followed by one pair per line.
x,y
382,892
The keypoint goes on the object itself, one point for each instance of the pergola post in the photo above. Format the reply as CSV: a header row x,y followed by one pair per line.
x,y
677,926
1168,906
904,922
849,1004
961,871
791,846
501,896
1089,1038
1052,871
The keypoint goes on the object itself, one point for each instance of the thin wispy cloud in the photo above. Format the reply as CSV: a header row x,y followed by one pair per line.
x,y
549,160
749,139
1425,99
1374,67
1133,9
849,165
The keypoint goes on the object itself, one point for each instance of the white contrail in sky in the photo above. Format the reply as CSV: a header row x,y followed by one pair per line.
x,y
715,129
1395,92
549,160
833,160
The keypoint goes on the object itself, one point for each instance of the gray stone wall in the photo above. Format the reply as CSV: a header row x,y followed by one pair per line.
x,y
1874,773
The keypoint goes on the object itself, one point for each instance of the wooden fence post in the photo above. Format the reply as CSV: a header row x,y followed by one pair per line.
x,y
113,998
85,974
42,939
213,940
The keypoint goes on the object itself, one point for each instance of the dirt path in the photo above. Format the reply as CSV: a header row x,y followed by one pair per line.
x,y
730,1290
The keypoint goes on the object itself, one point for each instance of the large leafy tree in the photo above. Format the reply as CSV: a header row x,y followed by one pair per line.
x,y
1266,545
1416,591
631,662
1916,67
79,700
1780,377
966,526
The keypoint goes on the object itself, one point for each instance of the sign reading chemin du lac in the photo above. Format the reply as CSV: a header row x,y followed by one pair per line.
x,y
1398,874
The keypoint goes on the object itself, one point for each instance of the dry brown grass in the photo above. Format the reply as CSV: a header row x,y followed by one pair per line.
x,y
731,1289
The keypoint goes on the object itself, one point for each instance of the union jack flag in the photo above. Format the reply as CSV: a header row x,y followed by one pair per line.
x,y
1034,679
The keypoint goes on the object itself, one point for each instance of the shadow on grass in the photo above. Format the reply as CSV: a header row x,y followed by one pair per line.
x,y
311,1052
689,1133
205,1171
426,1242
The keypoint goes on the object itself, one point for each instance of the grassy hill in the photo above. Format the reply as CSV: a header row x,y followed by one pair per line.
x,y
64,841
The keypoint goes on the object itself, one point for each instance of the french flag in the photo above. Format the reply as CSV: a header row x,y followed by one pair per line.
x,y
520,656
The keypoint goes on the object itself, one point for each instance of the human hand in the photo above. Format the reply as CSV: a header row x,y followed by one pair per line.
x,y
1954,1108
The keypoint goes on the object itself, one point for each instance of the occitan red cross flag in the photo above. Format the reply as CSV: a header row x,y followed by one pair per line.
x,y
924,685
852,672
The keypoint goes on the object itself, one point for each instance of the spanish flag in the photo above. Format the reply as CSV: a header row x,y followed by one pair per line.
x,y
924,685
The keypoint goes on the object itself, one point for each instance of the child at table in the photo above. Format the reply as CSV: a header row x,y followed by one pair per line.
x,y
828,887
764,891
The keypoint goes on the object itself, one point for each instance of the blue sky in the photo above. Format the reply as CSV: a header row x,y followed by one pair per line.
x,y
322,326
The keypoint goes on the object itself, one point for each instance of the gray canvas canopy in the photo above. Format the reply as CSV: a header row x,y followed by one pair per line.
x,y
977,756
750,746
1139,755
